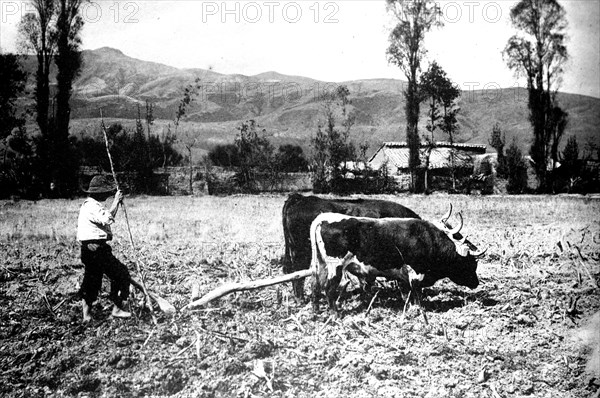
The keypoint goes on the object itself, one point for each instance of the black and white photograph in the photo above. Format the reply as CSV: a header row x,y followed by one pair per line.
x,y
300,199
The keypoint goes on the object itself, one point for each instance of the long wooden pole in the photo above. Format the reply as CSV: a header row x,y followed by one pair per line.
x,y
240,286
137,265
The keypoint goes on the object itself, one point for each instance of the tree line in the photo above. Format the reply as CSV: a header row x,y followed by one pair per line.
x,y
52,33
336,163
537,51
132,149
49,161
571,177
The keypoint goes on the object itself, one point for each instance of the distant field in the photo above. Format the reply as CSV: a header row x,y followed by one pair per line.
x,y
258,218
509,337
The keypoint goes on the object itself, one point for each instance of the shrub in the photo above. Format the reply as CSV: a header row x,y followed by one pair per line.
x,y
256,155
290,159
131,152
226,155
516,169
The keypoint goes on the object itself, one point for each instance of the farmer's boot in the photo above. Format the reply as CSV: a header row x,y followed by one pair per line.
x,y
120,313
87,316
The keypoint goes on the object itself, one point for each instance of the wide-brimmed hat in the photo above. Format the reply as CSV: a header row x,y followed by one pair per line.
x,y
101,184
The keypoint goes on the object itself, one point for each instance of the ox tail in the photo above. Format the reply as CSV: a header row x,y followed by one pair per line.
x,y
315,237
319,255
317,245
288,257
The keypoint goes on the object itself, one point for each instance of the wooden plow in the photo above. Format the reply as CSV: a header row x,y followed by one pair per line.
x,y
242,286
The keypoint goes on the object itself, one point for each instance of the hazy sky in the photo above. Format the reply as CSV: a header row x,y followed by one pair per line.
x,y
326,40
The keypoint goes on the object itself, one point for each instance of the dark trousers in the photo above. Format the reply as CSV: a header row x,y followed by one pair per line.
x,y
98,260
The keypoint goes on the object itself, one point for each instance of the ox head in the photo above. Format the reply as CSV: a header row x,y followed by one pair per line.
x,y
464,270
463,245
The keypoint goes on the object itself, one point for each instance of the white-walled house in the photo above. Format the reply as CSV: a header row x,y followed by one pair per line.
x,y
442,155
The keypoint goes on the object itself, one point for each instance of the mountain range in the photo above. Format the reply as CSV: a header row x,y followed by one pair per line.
x,y
287,107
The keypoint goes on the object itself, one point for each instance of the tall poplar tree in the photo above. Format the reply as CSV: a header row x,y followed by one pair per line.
x,y
538,52
68,61
37,35
414,19
443,109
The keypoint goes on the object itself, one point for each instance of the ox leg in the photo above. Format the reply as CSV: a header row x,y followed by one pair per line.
x,y
405,290
332,292
343,290
298,289
289,267
367,287
315,294
366,280
331,289
320,284
418,295
337,285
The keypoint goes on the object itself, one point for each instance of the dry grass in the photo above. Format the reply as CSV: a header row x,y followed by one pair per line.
x,y
509,224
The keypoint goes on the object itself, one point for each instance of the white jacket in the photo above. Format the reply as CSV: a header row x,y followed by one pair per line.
x,y
94,221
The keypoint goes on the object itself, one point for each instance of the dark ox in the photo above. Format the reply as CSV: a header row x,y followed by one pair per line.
x,y
300,211
414,251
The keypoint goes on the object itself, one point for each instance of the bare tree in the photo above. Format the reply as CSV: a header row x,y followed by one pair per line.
x,y
188,139
331,145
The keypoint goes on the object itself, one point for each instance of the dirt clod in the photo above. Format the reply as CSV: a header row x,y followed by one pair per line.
x,y
85,384
113,359
172,381
124,363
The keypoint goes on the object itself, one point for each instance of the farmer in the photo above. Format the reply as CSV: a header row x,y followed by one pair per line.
x,y
93,231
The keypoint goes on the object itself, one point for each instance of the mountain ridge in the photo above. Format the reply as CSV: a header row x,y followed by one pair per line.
x,y
288,106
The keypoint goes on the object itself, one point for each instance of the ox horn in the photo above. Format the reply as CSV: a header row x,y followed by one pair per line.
x,y
446,216
477,253
457,229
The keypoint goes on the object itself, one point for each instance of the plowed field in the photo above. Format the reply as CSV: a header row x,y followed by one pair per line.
x,y
519,334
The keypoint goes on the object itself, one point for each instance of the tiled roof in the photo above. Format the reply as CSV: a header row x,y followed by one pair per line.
x,y
439,144
397,153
